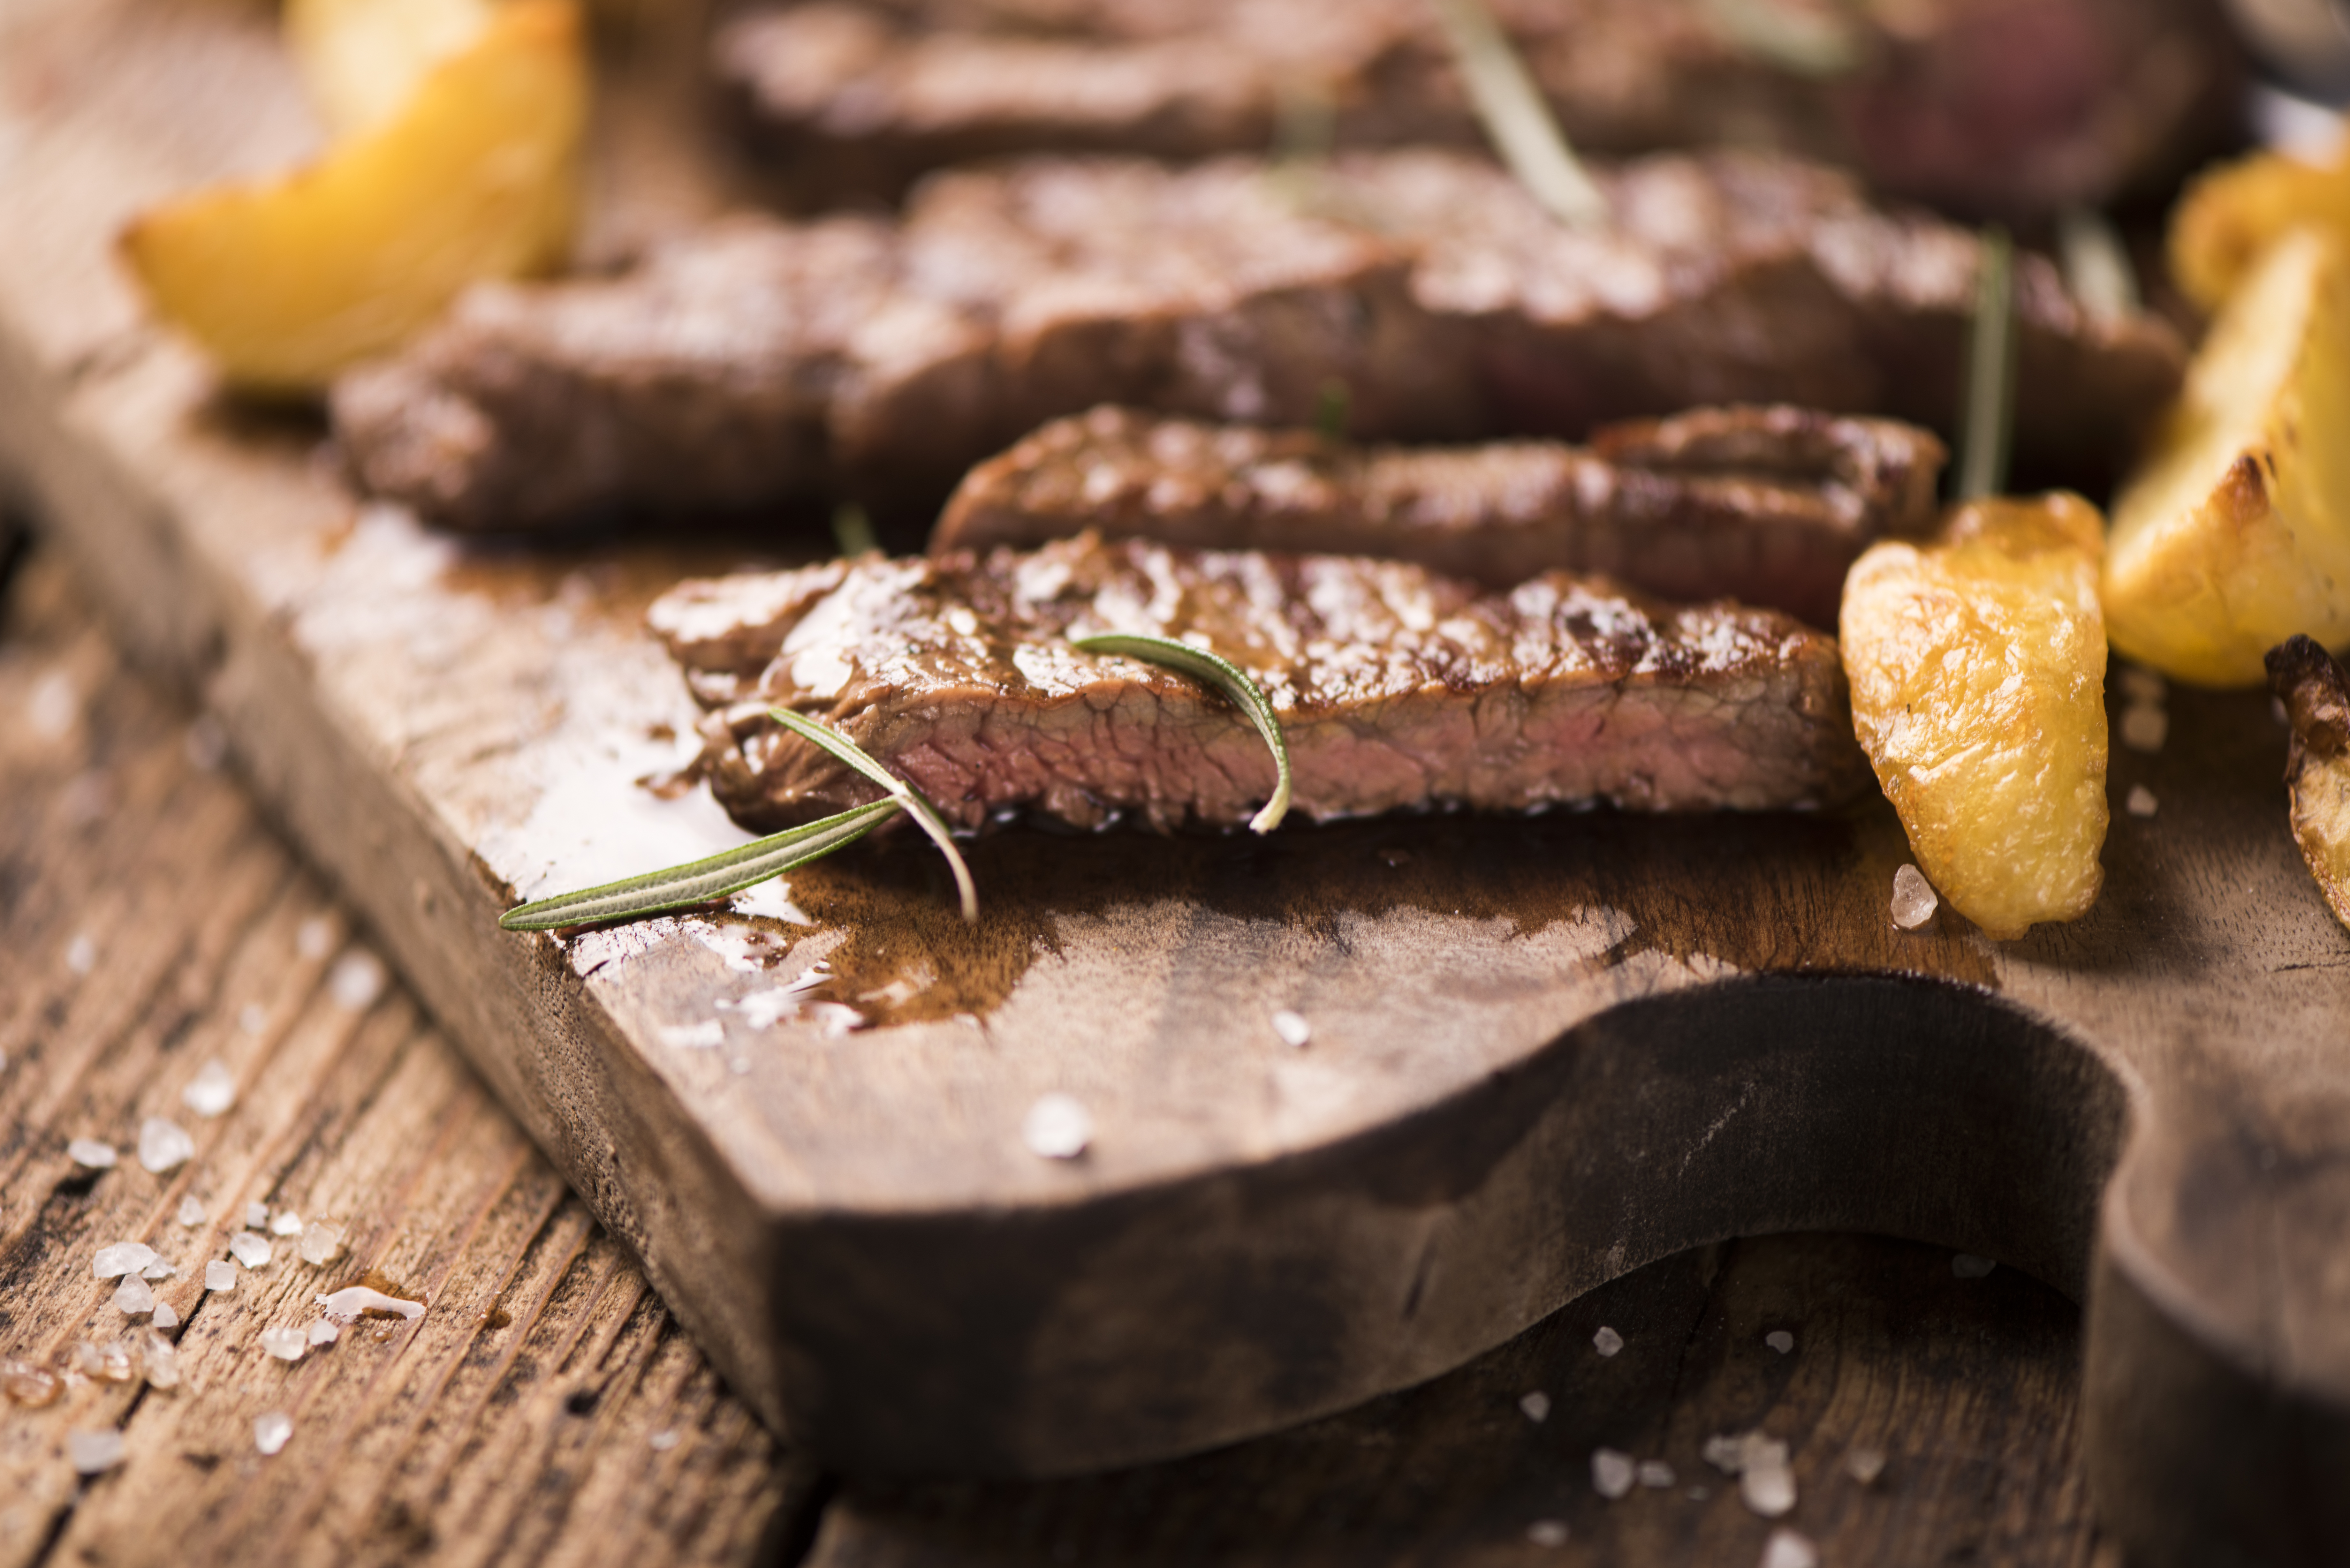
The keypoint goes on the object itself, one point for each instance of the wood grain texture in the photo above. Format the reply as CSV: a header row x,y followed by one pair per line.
x,y
1544,1052
546,1408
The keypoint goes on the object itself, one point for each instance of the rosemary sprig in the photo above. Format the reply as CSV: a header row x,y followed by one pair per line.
x,y
2096,266
1990,412
1224,676
925,814
1518,123
702,880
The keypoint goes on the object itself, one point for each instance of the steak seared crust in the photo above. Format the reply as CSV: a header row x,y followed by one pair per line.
x,y
1397,690
851,354
1765,505
1981,106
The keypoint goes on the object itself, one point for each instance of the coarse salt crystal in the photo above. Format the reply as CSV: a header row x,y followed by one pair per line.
x,y
123,1258
134,1296
285,1343
1767,1486
1864,1465
663,1440
1536,1406
346,1304
357,980
89,1152
2141,801
220,1275
211,1091
158,1270
1606,1342
55,707
1914,902
2144,727
320,1243
272,1432
192,1213
157,1358
316,938
1293,1028
94,1453
81,955
288,1223
1780,1340
35,1387
1968,1266
1547,1533
1656,1475
705,1035
256,1216
164,1145
1611,1472
1785,1549
1732,1455
324,1332
251,1249
2140,684
165,1316
107,1363
253,1018
1057,1128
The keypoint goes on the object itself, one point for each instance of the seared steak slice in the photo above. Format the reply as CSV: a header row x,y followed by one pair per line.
x,y
1766,506
1397,689
886,360
2013,107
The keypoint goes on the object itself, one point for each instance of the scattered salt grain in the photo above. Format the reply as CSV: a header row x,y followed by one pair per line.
x,y
220,1275
165,1316
705,1035
357,980
320,1243
1780,1340
1785,1549
249,1249
1766,1485
2144,727
192,1213
2141,801
1656,1475
253,1018
158,1270
89,1152
1057,1128
123,1258
1913,899
288,1223
1968,1266
1293,1028
206,744
1547,1533
108,1363
81,955
316,938
346,1304
272,1432
1731,1456
35,1387
1864,1465
134,1296
1536,1406
157,1358
324,1332
1611,1472
256,1216
1606,1342
2140,684
94,1453
663,1440
55,707
164,1145
285,1343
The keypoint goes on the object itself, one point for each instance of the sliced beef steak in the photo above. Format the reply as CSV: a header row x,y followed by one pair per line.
x,y
2010,107
1768,506
883,360
1397,689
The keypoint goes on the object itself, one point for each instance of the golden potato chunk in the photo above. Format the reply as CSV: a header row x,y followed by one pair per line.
x,y
2317,763
362,59
2234,534
2232,216
1978,672
474,177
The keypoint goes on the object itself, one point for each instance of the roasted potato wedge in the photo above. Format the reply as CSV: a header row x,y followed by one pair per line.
x,y
474,177
2232,216
1978,671
2316,699
2235,533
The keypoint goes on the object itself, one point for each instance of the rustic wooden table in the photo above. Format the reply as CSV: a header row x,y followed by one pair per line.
x,y
546,1408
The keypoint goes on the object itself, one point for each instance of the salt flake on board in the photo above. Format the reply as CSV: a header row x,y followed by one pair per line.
x,y
90,1154
164,1145
1606,1342
1057,1128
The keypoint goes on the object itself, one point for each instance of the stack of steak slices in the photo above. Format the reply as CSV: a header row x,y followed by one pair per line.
x,y
1423,290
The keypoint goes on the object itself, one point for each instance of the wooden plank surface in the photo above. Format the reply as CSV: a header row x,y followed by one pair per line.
x,y
547,1409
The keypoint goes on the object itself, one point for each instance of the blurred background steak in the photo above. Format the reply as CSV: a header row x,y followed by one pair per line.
x,y
2009,108
1422,289
1766,506
1397,689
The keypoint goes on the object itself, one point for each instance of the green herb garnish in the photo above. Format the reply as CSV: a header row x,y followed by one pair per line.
x,y
1516,118
1224,676
925,816
1989,410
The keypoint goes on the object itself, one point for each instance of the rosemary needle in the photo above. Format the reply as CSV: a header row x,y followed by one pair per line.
x,y
1224,676
1517,118
925,814
1990,406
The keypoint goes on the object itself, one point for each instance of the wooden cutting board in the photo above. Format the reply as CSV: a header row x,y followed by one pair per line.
x,y
1544,1052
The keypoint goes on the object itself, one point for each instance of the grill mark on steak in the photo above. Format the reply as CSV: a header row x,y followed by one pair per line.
x,y
1766,506
1984,107
1398,689
884,360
